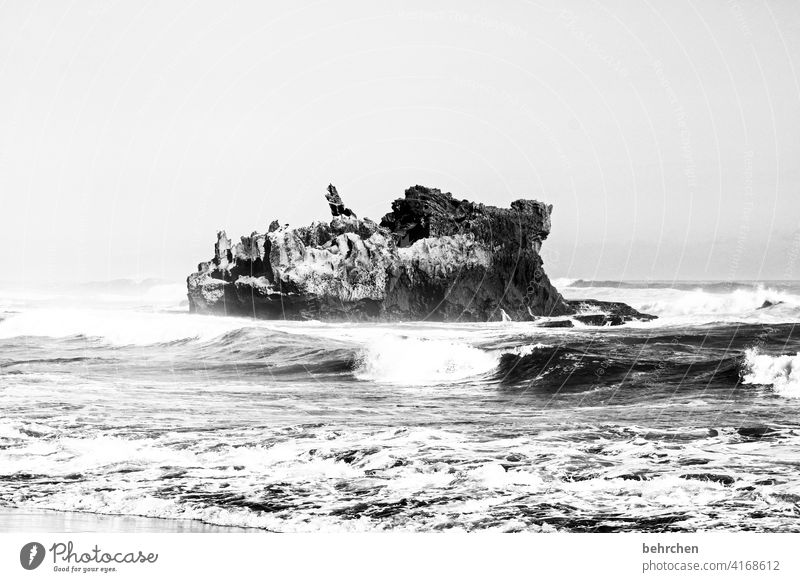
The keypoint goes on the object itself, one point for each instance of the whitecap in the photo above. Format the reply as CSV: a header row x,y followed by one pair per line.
x,y
413,361
780,372
118,327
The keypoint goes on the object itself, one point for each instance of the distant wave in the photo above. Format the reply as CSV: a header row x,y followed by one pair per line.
x,y
698,303
117,327
150,294
709,286
739,301
780,372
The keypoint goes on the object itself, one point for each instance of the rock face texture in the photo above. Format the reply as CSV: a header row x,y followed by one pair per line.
x,y
432,258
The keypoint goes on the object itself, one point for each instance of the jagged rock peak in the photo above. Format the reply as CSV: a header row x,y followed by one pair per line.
x,y
428,212
335,201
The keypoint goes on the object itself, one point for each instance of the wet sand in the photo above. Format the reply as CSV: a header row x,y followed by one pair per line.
x,y
16,520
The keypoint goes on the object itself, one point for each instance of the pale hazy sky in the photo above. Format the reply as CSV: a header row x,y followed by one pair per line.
x,y
665,133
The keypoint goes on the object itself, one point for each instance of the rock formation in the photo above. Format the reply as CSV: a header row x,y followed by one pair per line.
x,y
432,258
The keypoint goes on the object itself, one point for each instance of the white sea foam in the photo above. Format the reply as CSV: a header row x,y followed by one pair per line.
x,y
560,282
185,446
495,476
780,372
468,477
529,349
698,306
739,301
412,361
9,431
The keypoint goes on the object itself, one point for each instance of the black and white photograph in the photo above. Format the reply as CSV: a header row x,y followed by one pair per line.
x,y
522,267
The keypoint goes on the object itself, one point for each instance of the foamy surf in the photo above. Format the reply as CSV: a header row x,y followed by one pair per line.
x,y
782,373
411,361
117,327
583,478
312,426
686,305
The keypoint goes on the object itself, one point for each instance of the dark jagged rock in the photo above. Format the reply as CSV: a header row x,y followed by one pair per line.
x,y
555,323
505,271
757,432
335,202
711,477
432,258
594,312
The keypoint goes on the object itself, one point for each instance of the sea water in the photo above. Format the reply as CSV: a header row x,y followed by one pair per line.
x,y
116,400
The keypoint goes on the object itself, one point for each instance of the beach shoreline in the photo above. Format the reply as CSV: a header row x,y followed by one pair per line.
x,y
24,520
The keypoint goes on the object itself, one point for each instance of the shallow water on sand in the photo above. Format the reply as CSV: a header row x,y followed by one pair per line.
x,y
124,404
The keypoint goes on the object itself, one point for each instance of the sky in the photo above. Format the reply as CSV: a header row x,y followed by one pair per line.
x,y
665,134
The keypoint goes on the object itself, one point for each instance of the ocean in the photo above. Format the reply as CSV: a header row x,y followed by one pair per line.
x,y
115,400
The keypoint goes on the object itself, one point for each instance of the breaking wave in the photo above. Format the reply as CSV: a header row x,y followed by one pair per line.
x,y
780,372
117,327
411,361
575,477
582,360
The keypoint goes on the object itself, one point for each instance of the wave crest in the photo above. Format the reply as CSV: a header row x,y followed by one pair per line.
x,y
780,372
412,361
117,327
740,301
702,303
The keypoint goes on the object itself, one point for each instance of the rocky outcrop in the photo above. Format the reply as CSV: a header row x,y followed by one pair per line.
x,y
595,313
431,258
